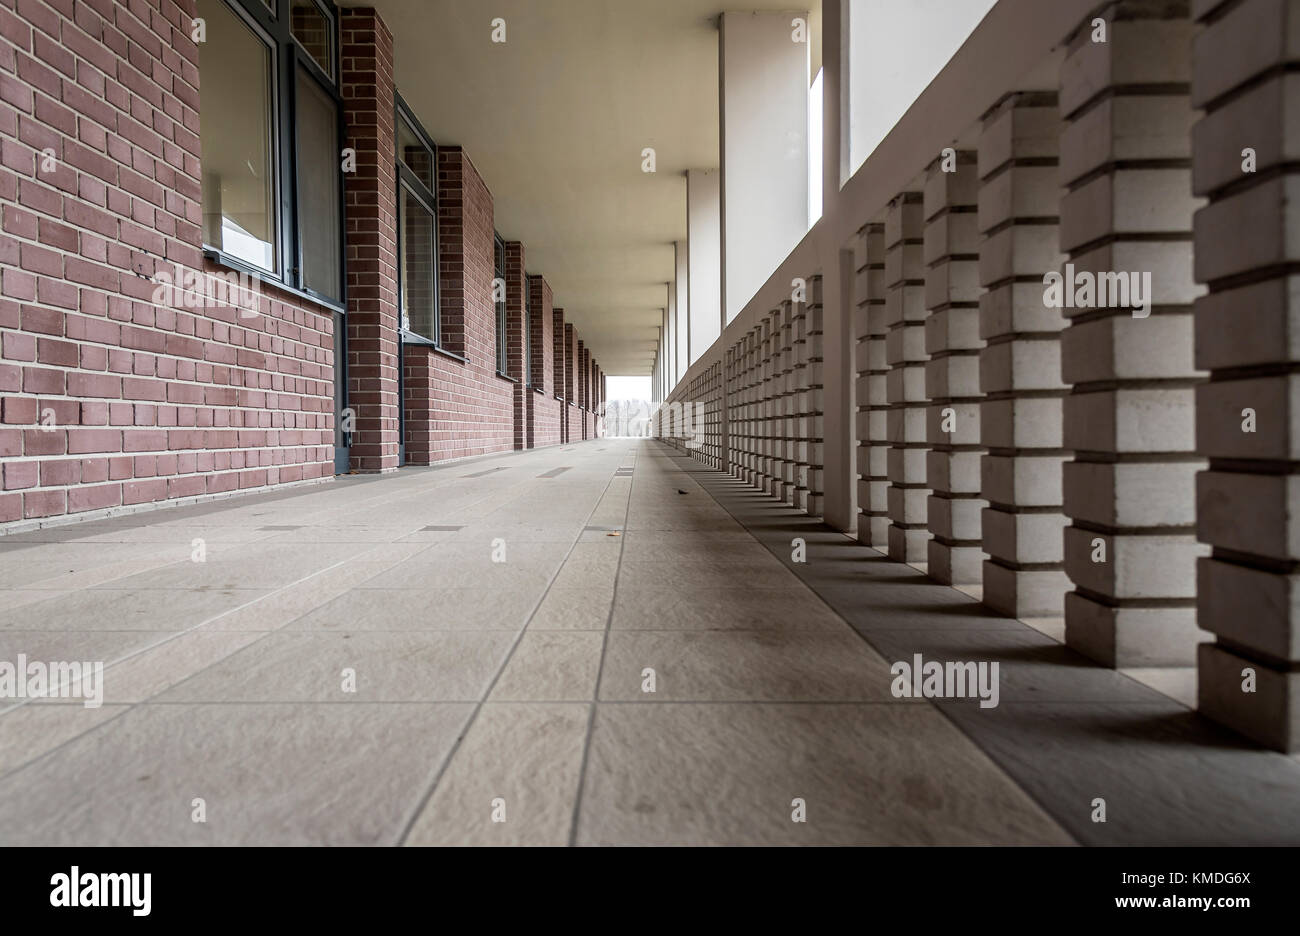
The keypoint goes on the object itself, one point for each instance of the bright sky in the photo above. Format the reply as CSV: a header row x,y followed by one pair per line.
x,y
627,388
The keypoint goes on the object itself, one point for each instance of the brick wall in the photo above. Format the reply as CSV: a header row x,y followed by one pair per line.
x,y
106,397
543,414
457,407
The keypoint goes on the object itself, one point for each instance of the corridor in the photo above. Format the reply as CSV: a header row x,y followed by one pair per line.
x,y
600,643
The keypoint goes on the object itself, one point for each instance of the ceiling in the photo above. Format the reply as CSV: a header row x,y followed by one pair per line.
x,y
555,119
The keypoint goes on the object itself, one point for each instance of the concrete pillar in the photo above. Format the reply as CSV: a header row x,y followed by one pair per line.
x,y
698,265
754,411
729,403
762,97
765,393
872,395
905,379
811,408
952,379
799,389
1245,76
785,406
1020,373
1131,547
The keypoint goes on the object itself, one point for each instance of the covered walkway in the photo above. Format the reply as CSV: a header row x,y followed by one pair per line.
x,y
463,655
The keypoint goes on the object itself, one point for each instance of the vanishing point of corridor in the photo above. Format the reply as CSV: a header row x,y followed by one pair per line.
x,y
596,643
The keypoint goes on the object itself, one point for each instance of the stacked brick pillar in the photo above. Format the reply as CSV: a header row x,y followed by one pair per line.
x,y
561,358
952,379
516,287
1246,159
1130,419
580,387
905,379
1020,373
372,366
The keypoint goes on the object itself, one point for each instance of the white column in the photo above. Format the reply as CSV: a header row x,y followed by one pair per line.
x,y
698,260
1245,76
763,99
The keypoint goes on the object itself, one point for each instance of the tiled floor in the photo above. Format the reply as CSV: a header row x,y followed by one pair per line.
x,y
461,655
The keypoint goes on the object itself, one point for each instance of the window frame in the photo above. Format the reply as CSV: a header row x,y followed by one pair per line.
x,y
408,181
275,30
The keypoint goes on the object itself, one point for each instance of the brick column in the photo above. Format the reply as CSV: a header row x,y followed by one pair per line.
x,y
516,284
1130,417
561,364
952,378
815,405
580,387
873,400
366,80
543,419
1020,372
1248,337
905,380
571,432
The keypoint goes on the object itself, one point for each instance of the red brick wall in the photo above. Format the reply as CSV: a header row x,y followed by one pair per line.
x,y
141,402
368,94
543,415
458,408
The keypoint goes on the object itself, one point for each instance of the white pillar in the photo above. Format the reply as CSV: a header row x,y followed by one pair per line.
x,y
763,99
698,264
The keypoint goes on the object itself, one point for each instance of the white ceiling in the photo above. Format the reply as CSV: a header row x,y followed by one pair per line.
x,y
555,120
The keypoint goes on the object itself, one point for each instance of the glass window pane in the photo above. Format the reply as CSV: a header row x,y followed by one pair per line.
x,y
312,30
320,223
416,231
235,72
412,151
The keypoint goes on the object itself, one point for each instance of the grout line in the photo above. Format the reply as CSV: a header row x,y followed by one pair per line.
x,y
424,800
600,668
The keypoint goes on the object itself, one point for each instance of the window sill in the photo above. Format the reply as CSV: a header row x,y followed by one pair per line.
x,y
538,390
411,338
238,266
513,380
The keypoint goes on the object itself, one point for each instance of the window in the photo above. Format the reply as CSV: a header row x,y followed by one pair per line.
x,y
272,159
419,264
499,295
417,230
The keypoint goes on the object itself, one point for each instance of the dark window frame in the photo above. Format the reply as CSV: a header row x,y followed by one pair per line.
x,y
275,30
408,181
